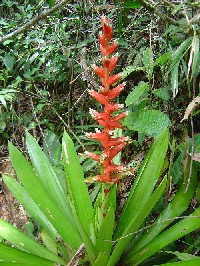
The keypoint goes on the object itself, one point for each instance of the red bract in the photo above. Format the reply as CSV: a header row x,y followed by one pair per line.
x,y
100,71
99,97
114,78
115,91
111,172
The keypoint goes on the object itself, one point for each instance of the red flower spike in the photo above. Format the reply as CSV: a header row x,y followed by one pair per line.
x,y
120,116
112,107
100,71
103,41
115,168
99,116
103,50
114,124
111,173
105,21
114,78
113,62
106,62
111,48
99,97
99,136
116,150
107,28
93,156
112,94
117,141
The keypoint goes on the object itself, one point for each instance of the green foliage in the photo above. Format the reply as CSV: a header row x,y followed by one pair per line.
x,y
150,122
160,62
55,209
52,147
8,62
131,4
176,231
136,95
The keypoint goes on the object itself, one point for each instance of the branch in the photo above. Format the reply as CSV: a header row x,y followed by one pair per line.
x,y
151,6
33,21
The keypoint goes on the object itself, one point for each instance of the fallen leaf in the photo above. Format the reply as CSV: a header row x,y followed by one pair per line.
x,y
192,105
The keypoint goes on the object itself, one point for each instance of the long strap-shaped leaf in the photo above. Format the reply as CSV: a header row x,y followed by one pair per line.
x,y
184,227
135,223
22,241
104,236
145,181
11,256
78,194
195,262
77,188
46,174
175,208
63,222
28,203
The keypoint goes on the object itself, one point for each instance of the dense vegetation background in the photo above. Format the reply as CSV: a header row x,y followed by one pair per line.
x,y
46,71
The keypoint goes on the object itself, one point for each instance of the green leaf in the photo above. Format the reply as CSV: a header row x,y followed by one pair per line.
x,y
162,93
3,101
184,256
51,3
12,256
104,236
22,241
75,180
132,4
135,95
8,62
28,203
135,223
196,57
175,232
33,57
78,193
59,218
128,70
175,208
101,260
145,181
148,61
48,241
7,42
194,262
179,53
52,147
2,125
161,60
48,177
150,122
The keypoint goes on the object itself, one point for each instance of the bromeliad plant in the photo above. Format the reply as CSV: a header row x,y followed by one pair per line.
x,y
73,229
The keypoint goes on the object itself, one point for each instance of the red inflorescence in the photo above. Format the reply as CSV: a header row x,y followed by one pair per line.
x,y
112,145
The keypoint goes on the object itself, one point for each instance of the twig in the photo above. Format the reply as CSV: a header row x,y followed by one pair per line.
x,y
77,256
33,21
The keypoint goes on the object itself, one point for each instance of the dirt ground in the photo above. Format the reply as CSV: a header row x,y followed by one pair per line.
x,y
10,209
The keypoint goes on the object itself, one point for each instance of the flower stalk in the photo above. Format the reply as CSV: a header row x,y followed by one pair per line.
x,y
110,172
